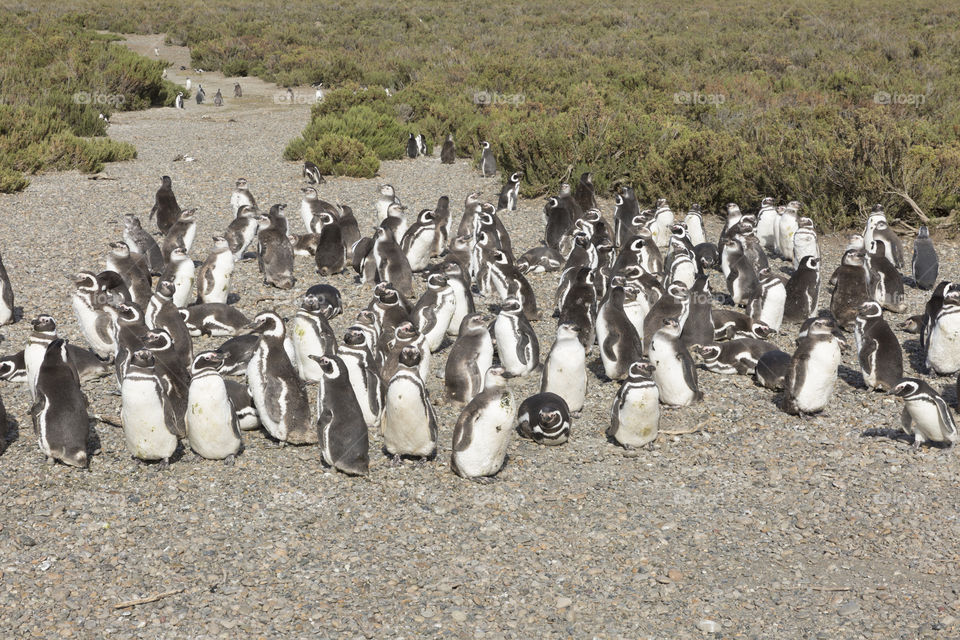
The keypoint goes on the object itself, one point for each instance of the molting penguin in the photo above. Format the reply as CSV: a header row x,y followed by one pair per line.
x,y
59,415
448,154
409,423
565,370
344,441
241,231
146,413
544,418
483,430
95,317
878,350
893,248
274,254
241,196
413,149
488,163
772,369
213,279
635,416
277,391
620,344
850,289
181,272
674,371
787,225
469,359
165,207
802,291
141,242
926,265
925,414
517,342
813,369
331,252
180,234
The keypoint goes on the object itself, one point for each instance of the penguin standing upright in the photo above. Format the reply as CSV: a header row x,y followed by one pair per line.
x,y
926,265
850,289
674,370
165,207
331,253
565,370
213,278
422,145
517,342
469,359
178,101
162,313
620,344
434,310
488,163
813,369
59,414
635,416
883,279
510,193
213,429
878,350
419,241
356,352
802,291
311,335
218,99
277,391
95,317
181,272
201,94
943,335
449,151
925,414
274,254
241,196
409,423
787,225
413,149
141,242
146,413
180,234
483,430
344,442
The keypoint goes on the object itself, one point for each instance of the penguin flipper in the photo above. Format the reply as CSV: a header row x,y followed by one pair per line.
x,y
868,356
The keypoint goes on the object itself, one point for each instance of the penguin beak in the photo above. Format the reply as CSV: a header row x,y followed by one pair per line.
x,y
251,328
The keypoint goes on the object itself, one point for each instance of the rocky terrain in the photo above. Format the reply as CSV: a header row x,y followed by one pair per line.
x,y
756,525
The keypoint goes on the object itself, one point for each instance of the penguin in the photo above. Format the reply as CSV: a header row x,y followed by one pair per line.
x,y
422,145
931,309
392,264
139,241
635,415
242,230
813,369
943,335
434,311
329,300
850,289
878,350
772,368
331,252
319,95
578,305
213,319
769,307
510,193
213,279
342,429
165,206
674,304
130,331
545,419
312,206
213,428
585,192
187,84
804,241
419,241
925,414
201,94
488,163
349,230
181,272
409,423
218,99
483,430
60,419
6,297
448,154
729,324
95,317
413,149
469,359
463,297
237,352
925,264
737,356
311,335
44,332
275,387
743,284
517,343
539,260
274,254
13,368
237,90
625,212
356,352
802,291
444,222
620,344
111,288
883,280
146,413
311,173
767,221
178,101
388,197
180,234
787,225
241,196
674,371
893,248
404,335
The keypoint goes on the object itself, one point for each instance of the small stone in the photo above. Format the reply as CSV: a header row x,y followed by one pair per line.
x,y
674,575
458,615
563,602
849,608
427,612
708,626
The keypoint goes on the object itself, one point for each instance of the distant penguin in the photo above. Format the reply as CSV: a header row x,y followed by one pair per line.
x,y
422,145
674,370
804,241
165,207
483,430
803,291
275,387
413,149
242,230
181,272
545,419
60,419
768,308
217,102
178,101
878,350
311,173
517,343
201,94
213,428
469,359
510,193
237,90
448,154
850,289
241,196
813,369
387,198
926,265
344,442
274,254
635,416
925,414
146,413
141,242
488,163
319,95
787,225
213,278
409,423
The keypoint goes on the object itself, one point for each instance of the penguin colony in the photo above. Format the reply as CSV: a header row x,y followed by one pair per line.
x,y
633,285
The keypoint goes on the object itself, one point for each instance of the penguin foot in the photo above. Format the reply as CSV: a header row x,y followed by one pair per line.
x,y
396,460
164,464
484,479
229,460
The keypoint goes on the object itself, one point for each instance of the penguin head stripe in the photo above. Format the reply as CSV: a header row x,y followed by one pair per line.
x,y
142,358
410,356
267,323
641,369
158,339
206,360
44,323
906,388
870,309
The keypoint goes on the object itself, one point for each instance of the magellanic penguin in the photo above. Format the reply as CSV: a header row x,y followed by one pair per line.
x,y
181,272
565,370
813,369
483,430
141,242
165,206
510,193
878,350
97,319
218,99
181,234
926,265
213,319
213,428
342,429
44,332
469,359
850,289
178,101
620,344
409,423
311,335
488,163
517,342
146,413
277,390
448,154
545,419
804,241
772,369
331,251
802,291
767,220
769,306
787,225
356,352
892,246
274,254
434,311
311,173
539,260
883,280
241,197
737,356
413,149
943,335
242,230
925,414
423,145
635,416
13,369
213,278
674,370
60,418
133,268
392,264
420,240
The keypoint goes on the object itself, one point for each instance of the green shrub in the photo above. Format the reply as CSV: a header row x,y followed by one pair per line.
x,y
342,156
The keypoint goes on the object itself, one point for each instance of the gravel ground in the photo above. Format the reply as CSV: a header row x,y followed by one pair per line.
x,y
758,525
